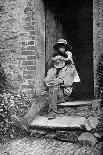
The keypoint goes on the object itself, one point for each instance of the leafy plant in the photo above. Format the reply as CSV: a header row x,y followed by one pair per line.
x,y
10,103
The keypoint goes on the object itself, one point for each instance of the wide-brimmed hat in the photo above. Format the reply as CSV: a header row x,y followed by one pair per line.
x,y
62,42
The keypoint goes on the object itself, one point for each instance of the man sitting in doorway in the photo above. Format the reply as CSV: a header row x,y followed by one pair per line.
x,y
62,47
59,82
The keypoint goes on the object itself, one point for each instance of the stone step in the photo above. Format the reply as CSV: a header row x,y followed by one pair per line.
x,y
67,122
80,103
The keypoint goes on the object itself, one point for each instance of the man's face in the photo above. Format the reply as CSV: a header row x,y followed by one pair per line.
x,y
59,63
61,49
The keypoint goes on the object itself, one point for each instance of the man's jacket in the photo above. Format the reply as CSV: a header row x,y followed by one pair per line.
x,y
68,74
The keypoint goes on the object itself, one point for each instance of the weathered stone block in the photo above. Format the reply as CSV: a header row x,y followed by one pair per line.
x,y
31,67
28,52
28,63
23,34
28,48
29,24
29,73
28,9
31,43
31,92
24,43
14,86
87,138
93,121
32,82
33,23
31,57
32,37
32,32
62,122
27,86
28,77
28,19
29,28
69,136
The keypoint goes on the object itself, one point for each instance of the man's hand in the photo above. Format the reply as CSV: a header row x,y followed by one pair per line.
x,y
55,82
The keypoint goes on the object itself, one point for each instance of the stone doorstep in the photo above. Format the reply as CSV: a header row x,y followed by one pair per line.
x,y
68,122
80,103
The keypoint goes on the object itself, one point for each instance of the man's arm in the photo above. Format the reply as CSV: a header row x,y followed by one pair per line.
x,y
50,77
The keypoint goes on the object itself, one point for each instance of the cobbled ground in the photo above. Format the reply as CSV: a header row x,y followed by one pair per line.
x,y
42,146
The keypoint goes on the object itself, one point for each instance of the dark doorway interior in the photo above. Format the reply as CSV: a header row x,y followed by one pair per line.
x,y
76,18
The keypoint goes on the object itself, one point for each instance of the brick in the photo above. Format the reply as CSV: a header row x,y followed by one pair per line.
x,y
21,58
28,43
32,37
33,23
31,91
28,19
12,38
13,51
30,24
24,43
29,72
29,13
29,28
27,9
32,32
30,16
28,63
31,43
28,48
31,57
31,82
27,86
23,34
28,77
31,67
28,52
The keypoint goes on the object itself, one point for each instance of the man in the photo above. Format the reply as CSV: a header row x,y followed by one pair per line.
x,y
59,82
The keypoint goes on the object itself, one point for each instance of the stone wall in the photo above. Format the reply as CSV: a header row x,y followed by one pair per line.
x,y
22,39
98,47
54,31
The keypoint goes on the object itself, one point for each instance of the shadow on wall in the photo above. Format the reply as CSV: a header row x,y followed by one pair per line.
x,y
3,80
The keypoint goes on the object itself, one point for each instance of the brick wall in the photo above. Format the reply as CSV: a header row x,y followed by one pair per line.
x,y
22,39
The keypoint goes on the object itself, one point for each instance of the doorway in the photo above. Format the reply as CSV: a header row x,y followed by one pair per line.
x,y
73,21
